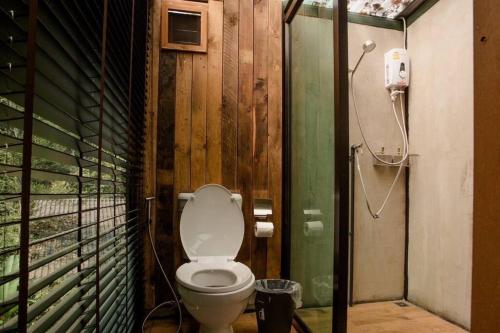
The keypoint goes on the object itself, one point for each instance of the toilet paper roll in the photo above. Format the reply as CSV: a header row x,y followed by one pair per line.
x,y
313,228
264,229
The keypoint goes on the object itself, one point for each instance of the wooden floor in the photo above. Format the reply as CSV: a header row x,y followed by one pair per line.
x,y
384,317
388,317
245,324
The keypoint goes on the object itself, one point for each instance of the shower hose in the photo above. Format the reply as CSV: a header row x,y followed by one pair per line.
x,y
176,300
395,94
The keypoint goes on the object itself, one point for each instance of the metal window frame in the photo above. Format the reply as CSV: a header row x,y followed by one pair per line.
x,y
342,169
101,150
341,116
410,13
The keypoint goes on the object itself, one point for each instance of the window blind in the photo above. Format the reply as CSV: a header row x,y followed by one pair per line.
x,y
72,92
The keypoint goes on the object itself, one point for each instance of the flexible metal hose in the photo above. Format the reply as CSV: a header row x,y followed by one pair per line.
x,y
402,127
176,300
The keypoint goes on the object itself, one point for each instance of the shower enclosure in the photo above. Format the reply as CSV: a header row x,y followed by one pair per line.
x,y
316,161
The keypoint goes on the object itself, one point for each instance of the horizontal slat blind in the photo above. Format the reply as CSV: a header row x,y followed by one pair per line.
x,y
13,40
77,267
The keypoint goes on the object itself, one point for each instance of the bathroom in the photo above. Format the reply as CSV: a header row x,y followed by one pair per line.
x,y
161,158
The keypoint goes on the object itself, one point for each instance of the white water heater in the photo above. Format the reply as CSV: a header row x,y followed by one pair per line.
x,y
397,69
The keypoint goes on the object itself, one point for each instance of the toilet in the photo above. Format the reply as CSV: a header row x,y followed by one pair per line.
x,y
214,288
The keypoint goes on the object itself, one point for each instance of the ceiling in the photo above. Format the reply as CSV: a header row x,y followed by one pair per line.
x,y
381,8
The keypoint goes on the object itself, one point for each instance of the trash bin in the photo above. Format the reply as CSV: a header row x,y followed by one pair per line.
x,y
275,302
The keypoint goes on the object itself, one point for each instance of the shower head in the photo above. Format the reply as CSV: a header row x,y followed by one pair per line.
x,y
369,46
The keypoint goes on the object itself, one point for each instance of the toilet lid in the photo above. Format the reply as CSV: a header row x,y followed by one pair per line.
x,y
212,224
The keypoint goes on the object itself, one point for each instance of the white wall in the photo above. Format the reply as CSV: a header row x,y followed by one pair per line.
x,y
441,133
379,245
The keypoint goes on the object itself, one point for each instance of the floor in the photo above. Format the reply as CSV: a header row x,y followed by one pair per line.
x,y
383,317
388,317
245,324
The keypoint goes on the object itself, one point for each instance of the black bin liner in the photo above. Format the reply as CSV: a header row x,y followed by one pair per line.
x,y
275,303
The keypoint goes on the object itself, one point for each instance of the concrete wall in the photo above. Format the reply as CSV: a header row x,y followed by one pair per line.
x,y
441,133
379,246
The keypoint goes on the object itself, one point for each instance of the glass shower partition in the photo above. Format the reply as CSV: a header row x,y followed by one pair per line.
x,y
316,161
312,161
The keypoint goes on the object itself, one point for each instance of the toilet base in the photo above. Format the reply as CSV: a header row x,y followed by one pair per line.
x,y
227,329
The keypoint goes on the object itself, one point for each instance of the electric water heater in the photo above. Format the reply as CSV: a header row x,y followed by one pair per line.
x,y
397,69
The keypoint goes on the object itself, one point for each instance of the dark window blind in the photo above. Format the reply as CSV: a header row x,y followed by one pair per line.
x,y
72,94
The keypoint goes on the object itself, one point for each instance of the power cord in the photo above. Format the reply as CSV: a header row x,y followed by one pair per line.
x,y
400,163
404,134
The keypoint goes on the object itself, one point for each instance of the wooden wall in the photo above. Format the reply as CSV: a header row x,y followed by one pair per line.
x,y
486,258
219,121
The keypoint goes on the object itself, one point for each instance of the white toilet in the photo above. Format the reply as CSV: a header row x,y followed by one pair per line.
x,y
214,288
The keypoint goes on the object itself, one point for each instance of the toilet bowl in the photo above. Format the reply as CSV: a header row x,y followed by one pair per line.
x,y
214,287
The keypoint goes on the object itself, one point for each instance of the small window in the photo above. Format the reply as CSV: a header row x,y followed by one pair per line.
x,y
184,26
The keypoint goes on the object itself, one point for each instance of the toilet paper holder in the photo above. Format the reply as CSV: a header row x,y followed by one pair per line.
x,y
263,216
312,215
262,209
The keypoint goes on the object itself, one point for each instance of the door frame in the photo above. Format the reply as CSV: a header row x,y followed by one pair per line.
x,y
340,253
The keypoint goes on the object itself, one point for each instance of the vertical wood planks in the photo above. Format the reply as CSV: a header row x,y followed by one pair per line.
x,y
199,121
245,123
230,92
274,67
226,108
150,144
260,132
182,160
165,168
260,96
214,92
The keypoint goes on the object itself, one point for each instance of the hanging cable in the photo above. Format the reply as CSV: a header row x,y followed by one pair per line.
x,y
370,149
373,213
405,34
394,94
376,213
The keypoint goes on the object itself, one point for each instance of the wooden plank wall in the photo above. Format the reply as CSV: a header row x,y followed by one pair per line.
x,y
486,261
219,121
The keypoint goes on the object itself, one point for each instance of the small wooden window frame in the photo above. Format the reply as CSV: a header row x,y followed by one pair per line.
x,y
201,8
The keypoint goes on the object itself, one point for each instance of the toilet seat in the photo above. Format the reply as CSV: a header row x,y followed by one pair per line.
x,y
212,229
214,277
212,224
214,288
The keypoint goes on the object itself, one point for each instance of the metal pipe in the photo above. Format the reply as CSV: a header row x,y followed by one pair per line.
x,y
29,98
129,152
359,61
351,224
148,203
102,86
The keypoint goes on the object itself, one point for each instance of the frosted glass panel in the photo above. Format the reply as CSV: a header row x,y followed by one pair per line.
x,y
312,166
382,8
